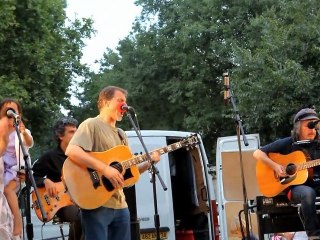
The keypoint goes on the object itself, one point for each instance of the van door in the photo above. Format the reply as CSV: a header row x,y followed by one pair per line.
x,y
229,184
185,208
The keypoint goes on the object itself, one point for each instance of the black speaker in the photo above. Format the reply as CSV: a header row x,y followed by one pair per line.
x,y
277,215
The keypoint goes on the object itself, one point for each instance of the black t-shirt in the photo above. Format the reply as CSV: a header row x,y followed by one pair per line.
x,y
310,148
49,165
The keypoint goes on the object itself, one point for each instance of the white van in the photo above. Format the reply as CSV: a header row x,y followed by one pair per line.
x,y
187,209
229,184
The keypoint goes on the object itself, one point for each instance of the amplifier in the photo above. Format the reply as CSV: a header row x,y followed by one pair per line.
x,y
277,204
276,215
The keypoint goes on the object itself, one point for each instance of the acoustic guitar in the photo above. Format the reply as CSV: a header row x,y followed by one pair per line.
x,y
89,189
50,204
296,166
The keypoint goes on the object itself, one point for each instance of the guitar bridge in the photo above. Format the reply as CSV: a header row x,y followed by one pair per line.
x,y
94,176
288,179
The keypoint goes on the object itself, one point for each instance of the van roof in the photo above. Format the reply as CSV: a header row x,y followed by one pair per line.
x,y
159,133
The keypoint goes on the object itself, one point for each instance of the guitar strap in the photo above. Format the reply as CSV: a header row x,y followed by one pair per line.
x,y
122,136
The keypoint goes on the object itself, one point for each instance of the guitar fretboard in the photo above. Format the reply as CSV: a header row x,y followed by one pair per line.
x,y
172,147
309,164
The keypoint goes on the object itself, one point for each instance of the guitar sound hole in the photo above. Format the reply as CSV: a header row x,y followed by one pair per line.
x,y
117,166
291,169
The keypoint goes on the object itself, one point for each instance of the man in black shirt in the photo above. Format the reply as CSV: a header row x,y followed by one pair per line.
x,y
47,173
304,138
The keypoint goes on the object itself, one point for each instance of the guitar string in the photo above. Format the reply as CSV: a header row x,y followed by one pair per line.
x,y
141,158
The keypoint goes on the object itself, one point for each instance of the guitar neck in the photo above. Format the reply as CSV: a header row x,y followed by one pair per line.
x,y
142,158
309,164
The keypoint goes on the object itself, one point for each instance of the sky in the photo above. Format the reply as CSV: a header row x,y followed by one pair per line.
x,y
112,20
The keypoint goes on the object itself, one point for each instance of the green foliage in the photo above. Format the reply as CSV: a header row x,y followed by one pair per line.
x,y
278,74
40,53
172,70
172,65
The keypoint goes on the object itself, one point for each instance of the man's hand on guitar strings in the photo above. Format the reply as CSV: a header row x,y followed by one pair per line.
x,y
280,171
155,156
50,187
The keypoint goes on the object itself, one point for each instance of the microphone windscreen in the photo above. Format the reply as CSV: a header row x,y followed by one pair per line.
x,y
122,107
10,112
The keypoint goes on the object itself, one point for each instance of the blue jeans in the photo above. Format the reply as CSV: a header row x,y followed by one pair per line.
x,y
106,224
307,197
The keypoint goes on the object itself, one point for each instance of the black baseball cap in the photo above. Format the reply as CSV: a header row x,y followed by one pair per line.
x,y
305,114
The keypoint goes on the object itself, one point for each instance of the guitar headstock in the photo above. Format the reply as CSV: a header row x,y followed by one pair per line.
x,y
190,141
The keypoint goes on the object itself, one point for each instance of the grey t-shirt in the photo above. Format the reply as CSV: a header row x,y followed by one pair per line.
x,y
94,135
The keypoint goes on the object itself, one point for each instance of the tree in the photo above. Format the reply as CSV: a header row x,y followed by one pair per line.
x,y
168,66
172,64
40,52
277,73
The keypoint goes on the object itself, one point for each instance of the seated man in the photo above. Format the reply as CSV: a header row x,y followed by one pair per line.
x,y
306,192
47,172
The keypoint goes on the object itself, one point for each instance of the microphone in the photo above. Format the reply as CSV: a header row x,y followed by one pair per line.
x,y
11,113
123,107
226,88
312,125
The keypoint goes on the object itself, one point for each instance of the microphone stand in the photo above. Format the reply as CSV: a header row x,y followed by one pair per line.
x,y
154,171
228,95
29,175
